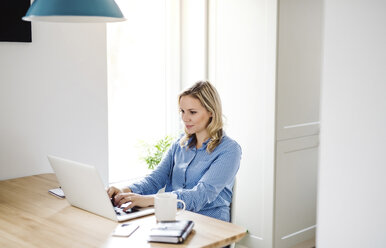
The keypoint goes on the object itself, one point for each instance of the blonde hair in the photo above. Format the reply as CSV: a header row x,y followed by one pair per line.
x,y
207,94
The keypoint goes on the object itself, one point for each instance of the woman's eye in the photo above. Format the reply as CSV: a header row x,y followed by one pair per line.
x,y
193,112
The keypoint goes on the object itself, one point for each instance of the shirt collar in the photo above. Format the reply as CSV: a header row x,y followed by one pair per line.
x,y
203,147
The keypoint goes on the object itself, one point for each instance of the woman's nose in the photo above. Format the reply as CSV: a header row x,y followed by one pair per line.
x,y
185,117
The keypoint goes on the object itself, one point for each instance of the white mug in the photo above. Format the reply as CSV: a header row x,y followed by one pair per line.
x,y
165,205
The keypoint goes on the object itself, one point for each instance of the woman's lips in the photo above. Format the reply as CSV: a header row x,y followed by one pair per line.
x,y
188,126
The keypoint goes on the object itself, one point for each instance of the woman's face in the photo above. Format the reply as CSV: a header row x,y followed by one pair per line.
x,y
194,115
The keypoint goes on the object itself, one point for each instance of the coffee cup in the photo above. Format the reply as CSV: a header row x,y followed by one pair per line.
x,y
165,205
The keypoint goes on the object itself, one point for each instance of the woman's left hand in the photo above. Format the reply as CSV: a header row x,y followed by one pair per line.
x,y
135,199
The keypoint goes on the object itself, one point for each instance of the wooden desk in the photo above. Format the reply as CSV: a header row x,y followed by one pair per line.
x,y
31,217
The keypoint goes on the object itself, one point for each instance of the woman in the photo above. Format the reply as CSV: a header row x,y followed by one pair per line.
x,y
200,167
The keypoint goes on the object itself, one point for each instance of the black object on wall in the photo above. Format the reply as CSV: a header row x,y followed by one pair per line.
x,y
12,27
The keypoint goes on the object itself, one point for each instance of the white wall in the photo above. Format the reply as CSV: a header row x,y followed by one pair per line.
x,y
352,198
53,99
275,120
242,53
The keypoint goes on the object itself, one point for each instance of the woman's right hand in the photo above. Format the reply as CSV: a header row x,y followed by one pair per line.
x,y
113,191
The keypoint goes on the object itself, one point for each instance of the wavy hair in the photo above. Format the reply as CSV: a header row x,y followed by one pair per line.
x,y
207,94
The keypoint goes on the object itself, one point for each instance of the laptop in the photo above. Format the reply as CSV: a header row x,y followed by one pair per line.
x,y
83,188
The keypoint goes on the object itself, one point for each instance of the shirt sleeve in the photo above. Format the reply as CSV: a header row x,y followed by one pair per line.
x,y
221,173
152,183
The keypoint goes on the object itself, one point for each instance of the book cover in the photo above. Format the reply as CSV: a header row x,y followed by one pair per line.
x,y
171,231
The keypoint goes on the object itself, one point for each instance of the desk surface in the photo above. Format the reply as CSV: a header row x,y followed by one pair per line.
x,y
31,217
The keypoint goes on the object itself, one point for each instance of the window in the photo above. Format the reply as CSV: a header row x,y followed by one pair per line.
x,y
159,50
139,88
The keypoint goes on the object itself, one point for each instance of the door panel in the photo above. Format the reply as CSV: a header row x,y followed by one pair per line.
x,y
295,199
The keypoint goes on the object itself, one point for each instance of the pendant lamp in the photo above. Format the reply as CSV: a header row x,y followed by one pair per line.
x,y
74,11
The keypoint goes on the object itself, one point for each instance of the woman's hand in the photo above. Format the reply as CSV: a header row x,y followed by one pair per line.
x,y
113,191
135,199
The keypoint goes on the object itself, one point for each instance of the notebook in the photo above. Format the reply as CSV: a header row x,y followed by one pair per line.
x,y
171,231
83,188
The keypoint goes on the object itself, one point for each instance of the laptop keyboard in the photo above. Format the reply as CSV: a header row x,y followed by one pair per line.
x,y
120,211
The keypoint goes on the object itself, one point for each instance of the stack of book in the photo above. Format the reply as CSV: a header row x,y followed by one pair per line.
x,y
171,231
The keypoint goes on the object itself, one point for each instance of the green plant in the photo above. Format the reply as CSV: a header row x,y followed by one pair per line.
x,y
155,152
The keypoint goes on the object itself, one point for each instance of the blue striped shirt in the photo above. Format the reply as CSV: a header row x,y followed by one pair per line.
x,y
204,181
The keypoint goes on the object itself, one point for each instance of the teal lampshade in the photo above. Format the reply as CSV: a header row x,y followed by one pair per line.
x,y
74,11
